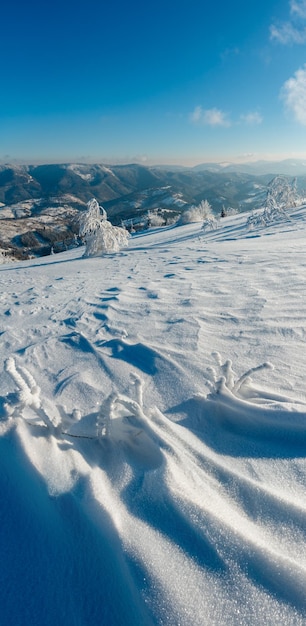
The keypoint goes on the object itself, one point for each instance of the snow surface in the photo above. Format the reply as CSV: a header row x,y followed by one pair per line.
x,y
153,431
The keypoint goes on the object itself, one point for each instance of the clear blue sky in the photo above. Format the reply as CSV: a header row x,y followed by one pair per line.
x,y
169,81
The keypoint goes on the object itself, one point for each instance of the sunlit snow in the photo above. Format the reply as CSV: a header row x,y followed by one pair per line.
x,y
153,431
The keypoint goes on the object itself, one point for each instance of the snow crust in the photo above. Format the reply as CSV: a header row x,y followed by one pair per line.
x,y
153,431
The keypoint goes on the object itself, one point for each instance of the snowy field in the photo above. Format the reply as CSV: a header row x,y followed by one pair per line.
x,y
150,474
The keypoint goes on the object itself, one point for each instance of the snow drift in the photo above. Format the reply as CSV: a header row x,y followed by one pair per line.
x,y
153,430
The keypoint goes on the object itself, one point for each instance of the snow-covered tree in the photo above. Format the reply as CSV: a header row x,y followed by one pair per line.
x,y
210,223
267,216
99,234
155,219
281,193
199,213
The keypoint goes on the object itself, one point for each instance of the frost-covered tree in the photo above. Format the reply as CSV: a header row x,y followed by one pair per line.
x,y
210,223
199,213
154,219
267,216
281,193
99,234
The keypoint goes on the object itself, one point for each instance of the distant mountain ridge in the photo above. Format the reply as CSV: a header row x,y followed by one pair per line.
x,y
287,167
40,204
118,183
18,183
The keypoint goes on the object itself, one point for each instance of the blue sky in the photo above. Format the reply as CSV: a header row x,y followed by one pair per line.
x,y
163,82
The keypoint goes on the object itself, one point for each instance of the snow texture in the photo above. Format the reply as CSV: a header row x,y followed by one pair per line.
x,y
153,431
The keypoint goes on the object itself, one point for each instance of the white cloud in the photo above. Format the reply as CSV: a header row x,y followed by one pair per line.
x,y
287,33
216,117
293,31
196,115
294,95
209,117
298,7
252,119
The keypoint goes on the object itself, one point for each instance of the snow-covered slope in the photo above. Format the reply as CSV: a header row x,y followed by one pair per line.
x,y
153,431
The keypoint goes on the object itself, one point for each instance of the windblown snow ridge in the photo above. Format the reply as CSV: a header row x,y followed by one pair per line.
x,y
143,480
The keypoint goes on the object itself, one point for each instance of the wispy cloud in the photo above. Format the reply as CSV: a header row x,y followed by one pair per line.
x,y
286,33
209,117
251,119
216,117
298,7
293,31
293,94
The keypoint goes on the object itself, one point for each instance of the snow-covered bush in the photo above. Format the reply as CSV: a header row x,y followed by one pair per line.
x,y
237,405
265,217
99,234
28,398
210,223
155,219
228,212
227,381
197,213
26,403
281,193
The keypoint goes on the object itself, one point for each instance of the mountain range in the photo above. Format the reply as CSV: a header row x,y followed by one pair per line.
x,y
40,204
287,167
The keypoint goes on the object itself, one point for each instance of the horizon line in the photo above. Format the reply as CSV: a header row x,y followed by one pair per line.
x,y
146,162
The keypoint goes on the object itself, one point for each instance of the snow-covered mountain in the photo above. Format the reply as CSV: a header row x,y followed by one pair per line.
x,y
287,167
40,205
121,187
153,430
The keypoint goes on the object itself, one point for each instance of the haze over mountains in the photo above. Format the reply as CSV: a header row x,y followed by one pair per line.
x,y
40,204
287,167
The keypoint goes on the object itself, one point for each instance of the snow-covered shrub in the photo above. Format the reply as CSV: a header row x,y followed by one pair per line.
x,y
155,219
231,211
197,213
26,403
237,405
281,193
99,234
27,398
210,223
266,216
226,380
